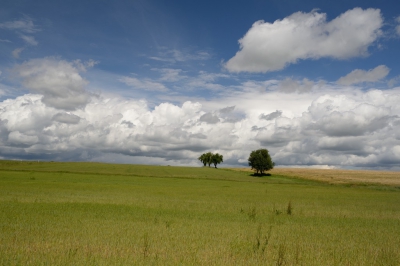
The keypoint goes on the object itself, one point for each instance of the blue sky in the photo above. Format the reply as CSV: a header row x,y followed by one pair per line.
x,y
317,83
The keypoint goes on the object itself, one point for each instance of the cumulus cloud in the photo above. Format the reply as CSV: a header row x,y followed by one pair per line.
x,y
363,119
344,130
348,145
59,82
107,126
359,76
18,138
340,128
272,46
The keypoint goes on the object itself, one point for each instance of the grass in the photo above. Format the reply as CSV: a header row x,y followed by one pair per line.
x,y
104,214
335,176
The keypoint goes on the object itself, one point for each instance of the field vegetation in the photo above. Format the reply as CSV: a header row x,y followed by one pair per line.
x,y
340,176
103,214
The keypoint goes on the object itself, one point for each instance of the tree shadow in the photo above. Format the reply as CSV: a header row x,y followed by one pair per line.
x,y
260,175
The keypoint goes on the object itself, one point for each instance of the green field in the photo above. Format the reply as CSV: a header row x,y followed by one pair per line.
x,y
104,214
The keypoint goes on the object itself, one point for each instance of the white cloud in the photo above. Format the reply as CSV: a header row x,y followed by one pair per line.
x,y
272,46
16,52
16,137
330,127
58,81
359,76
359,121
25,25
29,39
84,66
145,84
392,82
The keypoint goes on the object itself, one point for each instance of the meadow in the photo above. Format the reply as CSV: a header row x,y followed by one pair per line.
x,y
55,213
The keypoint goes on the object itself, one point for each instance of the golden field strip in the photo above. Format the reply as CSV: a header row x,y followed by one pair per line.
x,y
338,176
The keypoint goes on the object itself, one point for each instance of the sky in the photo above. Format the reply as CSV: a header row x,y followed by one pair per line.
x,y
317,83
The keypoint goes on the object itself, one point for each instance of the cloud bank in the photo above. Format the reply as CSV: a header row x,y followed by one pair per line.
x,y
358,129
273,46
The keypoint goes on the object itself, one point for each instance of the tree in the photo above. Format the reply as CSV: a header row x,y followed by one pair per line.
x,y
206,158
217,159
210,158
203,159
260,161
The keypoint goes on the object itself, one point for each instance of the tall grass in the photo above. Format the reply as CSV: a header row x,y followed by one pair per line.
x,y
99,214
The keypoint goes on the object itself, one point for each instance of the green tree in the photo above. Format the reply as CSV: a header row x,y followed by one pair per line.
x,y
206,158
203,159
217,159
260,161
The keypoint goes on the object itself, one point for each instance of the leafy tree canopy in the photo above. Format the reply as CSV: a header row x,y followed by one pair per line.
x,y
210,158
260,161
217,159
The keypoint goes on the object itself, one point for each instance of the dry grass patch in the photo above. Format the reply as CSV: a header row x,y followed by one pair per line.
x,y
339,176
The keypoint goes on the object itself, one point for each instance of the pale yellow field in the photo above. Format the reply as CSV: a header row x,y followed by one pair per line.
x,y
339,176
